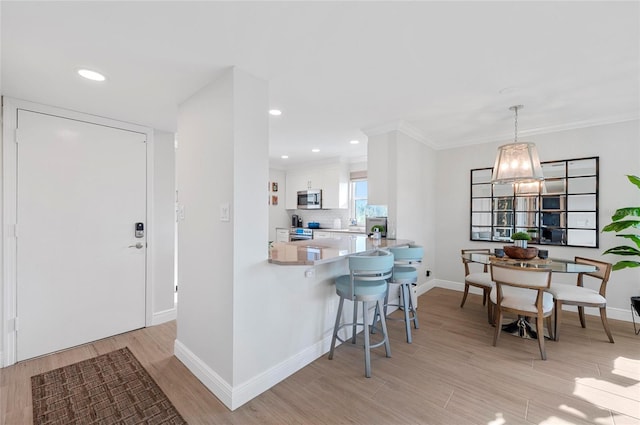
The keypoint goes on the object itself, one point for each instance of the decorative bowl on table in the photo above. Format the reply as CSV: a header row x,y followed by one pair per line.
x,y
518,253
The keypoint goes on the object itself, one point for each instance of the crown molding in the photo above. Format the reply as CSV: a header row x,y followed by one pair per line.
x,y
402,127
541,130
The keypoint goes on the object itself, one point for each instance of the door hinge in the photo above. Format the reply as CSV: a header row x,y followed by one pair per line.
x,y
17,135
14,230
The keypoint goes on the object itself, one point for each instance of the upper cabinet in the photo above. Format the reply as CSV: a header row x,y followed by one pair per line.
x,y
332,179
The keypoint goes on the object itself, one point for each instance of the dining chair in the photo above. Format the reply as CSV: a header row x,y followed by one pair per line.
x,y
405,275
521,290
480,280
580,296
366,283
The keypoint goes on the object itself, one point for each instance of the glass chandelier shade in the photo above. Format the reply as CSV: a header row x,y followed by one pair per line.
x,y
517,162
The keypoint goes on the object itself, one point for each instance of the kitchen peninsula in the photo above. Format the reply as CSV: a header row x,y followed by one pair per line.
x,y
321,251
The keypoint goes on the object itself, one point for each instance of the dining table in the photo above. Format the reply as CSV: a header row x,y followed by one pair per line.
x,y
521,327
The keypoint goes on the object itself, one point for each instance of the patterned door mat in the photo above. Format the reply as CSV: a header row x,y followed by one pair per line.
x,y
112,388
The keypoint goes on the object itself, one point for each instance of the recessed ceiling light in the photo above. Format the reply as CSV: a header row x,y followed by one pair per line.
x,y
285,157
354,142
275,112
315,150
91,75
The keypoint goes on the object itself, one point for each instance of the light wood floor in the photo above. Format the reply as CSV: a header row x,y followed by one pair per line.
x,y
451,374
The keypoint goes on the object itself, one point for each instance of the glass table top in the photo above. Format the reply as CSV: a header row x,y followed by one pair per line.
x,y
555,264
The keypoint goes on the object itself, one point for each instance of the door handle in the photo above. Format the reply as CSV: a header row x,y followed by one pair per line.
x,y
139,245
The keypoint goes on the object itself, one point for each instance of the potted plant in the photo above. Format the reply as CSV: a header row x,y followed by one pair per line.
x,y
520,239
519,249
627,219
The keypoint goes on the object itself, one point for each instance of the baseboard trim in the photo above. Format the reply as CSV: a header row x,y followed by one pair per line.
x,y
262,382
214,382
164,316
612,312
234,397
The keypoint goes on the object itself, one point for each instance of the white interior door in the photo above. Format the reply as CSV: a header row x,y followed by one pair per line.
x,y
81,189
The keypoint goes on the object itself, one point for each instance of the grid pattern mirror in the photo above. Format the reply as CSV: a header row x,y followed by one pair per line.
x,y
561,210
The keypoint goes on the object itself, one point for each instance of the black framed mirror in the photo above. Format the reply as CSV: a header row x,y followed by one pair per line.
x,y
561,210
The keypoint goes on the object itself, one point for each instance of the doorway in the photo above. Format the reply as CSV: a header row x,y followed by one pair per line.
x,y
80,265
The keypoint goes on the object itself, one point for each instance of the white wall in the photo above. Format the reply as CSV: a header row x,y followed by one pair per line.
x,y
381,169
402,175
163,241
619,151
204,178
415,197
278,216
243,324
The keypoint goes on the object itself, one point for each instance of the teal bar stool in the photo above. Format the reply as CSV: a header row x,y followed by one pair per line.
x,y
405,275
366,283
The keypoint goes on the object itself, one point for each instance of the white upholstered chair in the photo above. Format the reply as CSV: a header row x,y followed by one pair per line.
x,y
479,279
578,295
522,291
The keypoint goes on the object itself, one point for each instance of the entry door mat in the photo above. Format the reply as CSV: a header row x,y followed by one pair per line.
x,y
112,388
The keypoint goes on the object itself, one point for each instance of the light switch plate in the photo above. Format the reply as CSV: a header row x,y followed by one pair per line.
x,y
224,211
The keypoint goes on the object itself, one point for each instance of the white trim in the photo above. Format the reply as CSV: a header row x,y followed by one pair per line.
x,y
541,130
214,382
234,397
612,312
402,127
9,186
267,379
164,316
149,287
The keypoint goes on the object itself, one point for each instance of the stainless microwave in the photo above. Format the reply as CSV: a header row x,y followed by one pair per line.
x,y
310,199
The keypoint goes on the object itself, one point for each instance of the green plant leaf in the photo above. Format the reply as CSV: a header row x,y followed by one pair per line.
x,y
618,224
634,238
624,264
635,180
622,250
621,225
626,212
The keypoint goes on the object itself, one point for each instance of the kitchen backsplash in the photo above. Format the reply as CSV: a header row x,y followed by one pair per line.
x,y
324,217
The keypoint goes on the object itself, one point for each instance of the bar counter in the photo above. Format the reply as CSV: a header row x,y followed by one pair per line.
x,y
321,251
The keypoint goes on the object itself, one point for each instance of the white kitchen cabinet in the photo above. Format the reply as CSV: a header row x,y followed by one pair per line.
x,y
282,235
300,179
320,234
335,187
346,234
332,179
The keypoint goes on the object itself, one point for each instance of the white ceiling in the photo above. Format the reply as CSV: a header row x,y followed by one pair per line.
x,y
447,71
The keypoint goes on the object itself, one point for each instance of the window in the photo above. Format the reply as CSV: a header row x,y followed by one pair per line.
x,y
359,200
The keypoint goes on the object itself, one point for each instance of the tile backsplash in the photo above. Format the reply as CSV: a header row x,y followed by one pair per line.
x,y
324,217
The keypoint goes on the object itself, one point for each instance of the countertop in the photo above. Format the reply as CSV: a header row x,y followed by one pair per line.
x,y
321,251
329,229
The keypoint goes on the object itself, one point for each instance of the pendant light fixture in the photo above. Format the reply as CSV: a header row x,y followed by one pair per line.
x,y
517,162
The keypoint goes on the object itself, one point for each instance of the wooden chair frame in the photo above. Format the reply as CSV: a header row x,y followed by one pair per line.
x,y
602,274
485,290
540,315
